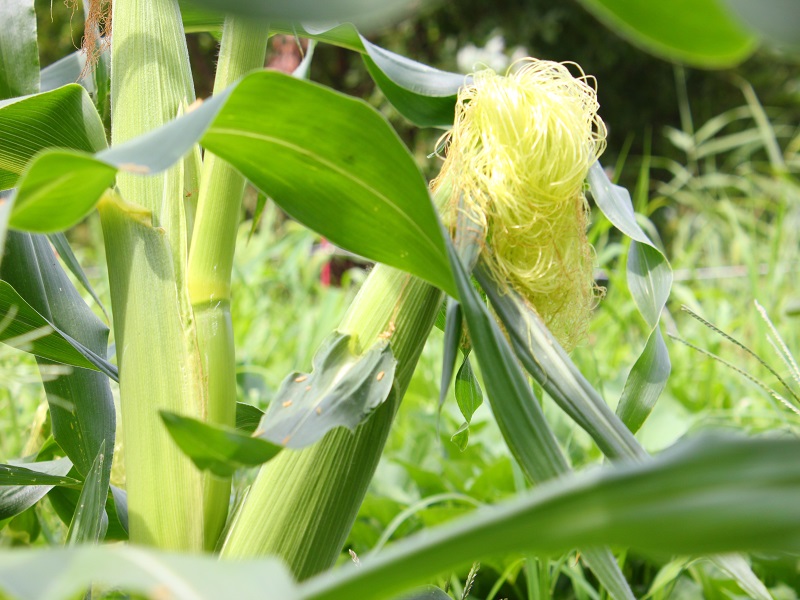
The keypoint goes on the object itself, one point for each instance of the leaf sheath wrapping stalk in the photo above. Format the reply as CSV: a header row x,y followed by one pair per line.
x,y
159,370
303,503
147,247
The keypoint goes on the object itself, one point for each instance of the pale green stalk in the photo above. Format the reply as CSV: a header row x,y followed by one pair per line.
x,y
146,245
244,46
303,504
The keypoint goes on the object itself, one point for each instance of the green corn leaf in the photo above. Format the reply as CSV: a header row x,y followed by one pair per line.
x,y
370,184
424,95
714,494
550,365
364,12
61,245
61,118
518,414
81,404
247,417
776,21
649,281
342,390
140,571
46,204
37,475
216,448
16,498
25,329
706,495
468,391
701,33
452,339
19,52
89,519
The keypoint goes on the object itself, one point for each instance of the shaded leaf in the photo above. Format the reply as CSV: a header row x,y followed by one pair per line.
x,y
468,391
341,391
365,12
216,448
83,416
25,329
247,417
452,337
550,365
19,52
698,32
61,245
15,499
88,519
519,416
35,474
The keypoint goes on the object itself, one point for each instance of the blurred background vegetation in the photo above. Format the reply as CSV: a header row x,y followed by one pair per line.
x,y
711,159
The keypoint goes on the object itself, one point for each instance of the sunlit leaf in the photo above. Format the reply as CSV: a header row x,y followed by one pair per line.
x,y
215,448
19,52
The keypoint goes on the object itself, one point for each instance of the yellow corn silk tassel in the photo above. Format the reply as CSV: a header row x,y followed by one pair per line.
x,y
517,158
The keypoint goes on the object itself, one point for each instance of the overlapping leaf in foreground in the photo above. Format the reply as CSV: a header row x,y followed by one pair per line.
x,y
708,495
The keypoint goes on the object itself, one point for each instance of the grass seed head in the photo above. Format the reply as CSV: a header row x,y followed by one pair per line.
x,y
517,158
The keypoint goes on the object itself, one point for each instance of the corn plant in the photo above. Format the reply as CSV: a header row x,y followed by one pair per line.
x,y
503,226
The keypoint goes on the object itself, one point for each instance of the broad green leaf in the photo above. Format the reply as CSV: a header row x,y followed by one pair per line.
x,y
45,204
25,329
342,390
149,573
61,245
707,495
777,22
468,391
247,417
87,521
365,12
15,499
649,281
698,32
81,404
344,166
216,448
367,195
18,475
519,415
61,118
19,52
